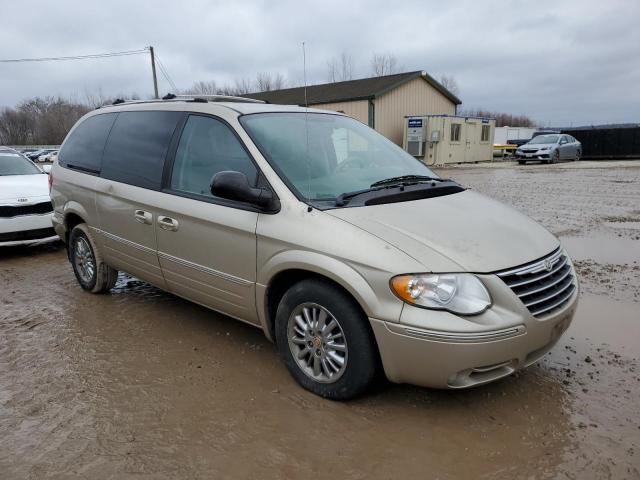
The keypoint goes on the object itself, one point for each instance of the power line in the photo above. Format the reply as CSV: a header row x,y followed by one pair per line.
x,y
165,73
75,57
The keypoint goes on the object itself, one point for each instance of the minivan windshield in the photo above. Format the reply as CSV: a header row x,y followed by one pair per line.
x,y
323,156
544,139
14,164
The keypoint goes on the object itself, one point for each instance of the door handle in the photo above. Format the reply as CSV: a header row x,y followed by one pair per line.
x,y
167,223
143,217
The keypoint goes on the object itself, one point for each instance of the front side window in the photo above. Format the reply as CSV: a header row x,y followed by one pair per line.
x,y
455,132
207,146
137,147
323,156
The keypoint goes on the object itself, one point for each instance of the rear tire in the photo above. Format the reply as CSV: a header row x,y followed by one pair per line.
x,y
578,155
87,262
325,340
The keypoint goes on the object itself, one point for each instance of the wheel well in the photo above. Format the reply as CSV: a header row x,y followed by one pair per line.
x,y
285,280
70,221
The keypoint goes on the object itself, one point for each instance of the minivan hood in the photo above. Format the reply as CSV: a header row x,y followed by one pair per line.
x,y
473,232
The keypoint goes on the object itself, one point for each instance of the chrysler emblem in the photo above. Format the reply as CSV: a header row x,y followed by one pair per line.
x,y
22,199
548,265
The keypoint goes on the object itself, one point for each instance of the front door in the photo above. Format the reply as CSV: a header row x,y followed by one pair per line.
x,y
565,147
207,245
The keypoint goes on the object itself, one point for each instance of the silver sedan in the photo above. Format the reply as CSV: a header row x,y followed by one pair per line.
x,y
550,148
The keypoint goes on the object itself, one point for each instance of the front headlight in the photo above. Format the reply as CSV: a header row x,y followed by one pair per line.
x,y
544,148
461,293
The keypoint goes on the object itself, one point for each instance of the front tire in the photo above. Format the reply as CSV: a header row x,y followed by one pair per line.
x,y
325,340
89,268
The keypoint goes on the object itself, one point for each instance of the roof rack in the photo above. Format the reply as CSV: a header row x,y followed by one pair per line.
x,y
218,98
169,97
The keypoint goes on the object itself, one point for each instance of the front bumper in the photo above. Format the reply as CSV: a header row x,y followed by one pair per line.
x,y
27,230
476,350
538,155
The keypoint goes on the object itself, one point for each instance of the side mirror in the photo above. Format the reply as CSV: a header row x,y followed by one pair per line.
x,y
235,186
46,169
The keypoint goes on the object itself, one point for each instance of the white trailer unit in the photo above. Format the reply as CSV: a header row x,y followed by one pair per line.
x,y
504,134
442,139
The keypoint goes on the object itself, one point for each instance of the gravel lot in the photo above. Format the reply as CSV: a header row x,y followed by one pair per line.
x,y
141,384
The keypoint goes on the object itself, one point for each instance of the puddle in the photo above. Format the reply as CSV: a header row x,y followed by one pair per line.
x,y
601,320
603,248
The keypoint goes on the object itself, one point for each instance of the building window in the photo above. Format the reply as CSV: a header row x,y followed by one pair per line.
x,y
484,136
455,132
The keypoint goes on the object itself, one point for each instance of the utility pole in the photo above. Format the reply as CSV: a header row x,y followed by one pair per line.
x,y
153,69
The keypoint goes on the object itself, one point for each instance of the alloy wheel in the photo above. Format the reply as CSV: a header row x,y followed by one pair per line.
x,y
317,342
83,260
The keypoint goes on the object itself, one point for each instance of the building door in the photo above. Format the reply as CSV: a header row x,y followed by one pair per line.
x,y
471,142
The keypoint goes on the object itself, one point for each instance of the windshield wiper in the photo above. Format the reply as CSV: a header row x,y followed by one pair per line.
x,y
406,178
341,199
393,182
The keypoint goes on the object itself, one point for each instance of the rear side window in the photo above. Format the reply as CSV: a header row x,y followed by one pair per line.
x,y
208,146
83,149
137,147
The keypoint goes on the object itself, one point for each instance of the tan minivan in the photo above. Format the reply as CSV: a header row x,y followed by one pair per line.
x,y
350,254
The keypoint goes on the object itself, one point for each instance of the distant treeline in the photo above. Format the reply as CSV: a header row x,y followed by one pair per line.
x,y
39,121
502,119
46,121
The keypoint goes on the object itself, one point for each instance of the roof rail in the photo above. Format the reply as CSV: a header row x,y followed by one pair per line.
x,y
219,98
186,98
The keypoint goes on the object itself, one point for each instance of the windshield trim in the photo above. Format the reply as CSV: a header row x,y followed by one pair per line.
x,y
321,204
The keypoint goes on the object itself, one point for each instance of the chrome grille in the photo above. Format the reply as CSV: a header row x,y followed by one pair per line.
x,y
545,285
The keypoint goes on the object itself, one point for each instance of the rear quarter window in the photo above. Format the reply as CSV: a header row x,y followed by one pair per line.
x,y
137,147
85,145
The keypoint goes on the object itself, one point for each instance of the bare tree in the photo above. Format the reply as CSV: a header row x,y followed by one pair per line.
x,y
449,82
39,121
340,69
266,81
384,64
242,86
502,119
15,127
203,87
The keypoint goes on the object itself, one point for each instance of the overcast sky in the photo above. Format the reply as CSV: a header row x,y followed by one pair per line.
x,y
562,63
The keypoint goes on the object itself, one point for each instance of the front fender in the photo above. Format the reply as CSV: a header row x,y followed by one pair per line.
x,y
383,305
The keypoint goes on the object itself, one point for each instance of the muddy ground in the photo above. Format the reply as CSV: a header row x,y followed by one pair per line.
x,y
141,384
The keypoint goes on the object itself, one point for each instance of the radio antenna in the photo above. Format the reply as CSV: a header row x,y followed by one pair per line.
x,y
306,124
304,74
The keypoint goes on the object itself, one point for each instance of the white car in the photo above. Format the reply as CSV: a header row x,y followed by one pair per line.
x,y
25,206
48,157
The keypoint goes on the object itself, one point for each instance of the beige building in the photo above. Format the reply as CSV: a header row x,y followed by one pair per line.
x,y
380,102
